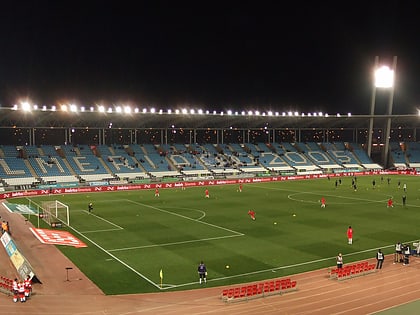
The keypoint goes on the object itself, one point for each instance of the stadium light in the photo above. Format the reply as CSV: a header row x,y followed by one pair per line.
x,y
383,77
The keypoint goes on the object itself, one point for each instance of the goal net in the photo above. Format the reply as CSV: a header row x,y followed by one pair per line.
x,y
54,212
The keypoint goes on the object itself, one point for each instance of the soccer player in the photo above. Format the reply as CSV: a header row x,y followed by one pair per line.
x,y
21,290
202,272
28,286
90,207
350,235
251,213
390,203
157,192
207,194
322,202
15,289
240,187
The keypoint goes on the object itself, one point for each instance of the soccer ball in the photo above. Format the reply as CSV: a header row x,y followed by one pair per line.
x,y
227,266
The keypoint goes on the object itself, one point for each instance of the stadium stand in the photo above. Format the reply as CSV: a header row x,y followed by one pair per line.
x,y
72,163
413,154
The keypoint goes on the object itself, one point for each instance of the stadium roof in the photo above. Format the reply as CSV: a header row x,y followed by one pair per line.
x,y
94,119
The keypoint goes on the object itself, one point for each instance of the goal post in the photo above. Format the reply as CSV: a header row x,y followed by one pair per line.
x,y
55,211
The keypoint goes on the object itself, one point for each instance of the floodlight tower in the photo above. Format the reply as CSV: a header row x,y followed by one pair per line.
x,y
384,78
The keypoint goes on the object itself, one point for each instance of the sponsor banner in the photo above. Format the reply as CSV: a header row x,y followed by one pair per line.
x,y
5,239
56,237
10,248
98,183
23,267
17,259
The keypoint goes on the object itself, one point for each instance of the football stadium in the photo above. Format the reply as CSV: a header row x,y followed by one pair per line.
x,y
133,199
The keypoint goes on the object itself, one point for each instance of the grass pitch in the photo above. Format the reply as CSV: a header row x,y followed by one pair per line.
x,y
131,236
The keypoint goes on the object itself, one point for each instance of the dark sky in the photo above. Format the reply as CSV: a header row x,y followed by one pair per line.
x,y
214,55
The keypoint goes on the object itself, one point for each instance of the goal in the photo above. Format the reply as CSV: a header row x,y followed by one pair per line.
x,y
54,212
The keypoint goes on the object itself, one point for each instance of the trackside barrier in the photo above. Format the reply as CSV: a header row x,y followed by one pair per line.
x,y
351,271
258,290
6,285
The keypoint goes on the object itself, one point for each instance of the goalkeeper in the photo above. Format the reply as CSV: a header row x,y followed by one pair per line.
x,y
202,272
90,207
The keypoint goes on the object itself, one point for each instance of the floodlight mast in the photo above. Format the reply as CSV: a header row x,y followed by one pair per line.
x,y
372,111
383,78
389,113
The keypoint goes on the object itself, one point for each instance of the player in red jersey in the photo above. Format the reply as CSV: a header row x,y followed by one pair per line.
x,y
322,202
350,235
28,286
157,192
207,194
251,213
390,203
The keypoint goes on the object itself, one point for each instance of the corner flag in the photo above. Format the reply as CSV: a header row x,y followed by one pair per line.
x,y
161,277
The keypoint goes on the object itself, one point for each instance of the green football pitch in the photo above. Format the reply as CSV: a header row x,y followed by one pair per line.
x,y
131,236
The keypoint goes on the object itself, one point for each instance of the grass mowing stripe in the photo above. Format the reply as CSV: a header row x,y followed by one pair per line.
x,y
185,217
107,221
277,244
289,266
116,258
174,243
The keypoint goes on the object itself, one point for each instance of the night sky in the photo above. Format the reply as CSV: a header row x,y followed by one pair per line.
x,y
208,54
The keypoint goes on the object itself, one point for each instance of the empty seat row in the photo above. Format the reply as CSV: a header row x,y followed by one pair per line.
x,y
352,270
6,285
261,289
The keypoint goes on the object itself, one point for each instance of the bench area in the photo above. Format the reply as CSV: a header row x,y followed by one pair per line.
x,y
258,290
6,285
353,270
